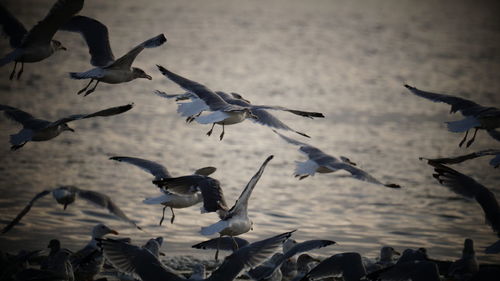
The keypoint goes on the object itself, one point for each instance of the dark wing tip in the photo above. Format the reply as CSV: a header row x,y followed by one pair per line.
x,y
409,87
155,41
392,185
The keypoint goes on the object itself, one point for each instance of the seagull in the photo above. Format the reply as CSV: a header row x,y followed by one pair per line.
x,y
37,44
222,112
348,265
88,261
59,268
66,195
136,260
386,259
323,163
495,162
415,270
467,266
261,111
107,69
235,221
476,116
181,192
35,129
469,188
154,245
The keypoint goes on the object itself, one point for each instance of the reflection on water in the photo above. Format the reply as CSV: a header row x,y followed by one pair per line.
x,y
347,59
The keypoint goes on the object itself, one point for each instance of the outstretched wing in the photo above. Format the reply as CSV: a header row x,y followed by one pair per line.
x,y
96,36
462,158
104,201
309,114
17,115
267,119
468,187
205,171
224,243
26,209
213,197
126,60
12,27
102,113
157,170
60,13
242,202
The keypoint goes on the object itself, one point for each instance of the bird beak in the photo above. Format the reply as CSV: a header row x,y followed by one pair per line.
x,y
63,48
397,253
114,232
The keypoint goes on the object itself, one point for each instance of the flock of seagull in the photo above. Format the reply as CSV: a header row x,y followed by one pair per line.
x,y
272,258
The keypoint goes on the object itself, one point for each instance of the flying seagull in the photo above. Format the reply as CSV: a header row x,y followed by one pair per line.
x,y
107,69
323,163
260,111
35,129
222,112
139,261
495,162
235,221
184,191
476,116
65,195
37,43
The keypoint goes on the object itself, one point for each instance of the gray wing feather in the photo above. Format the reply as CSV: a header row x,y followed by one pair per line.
x,y
350,265
126,60
157,170
267,119
17,115
12,27
213,197
462,158
26,209
225,244
102,113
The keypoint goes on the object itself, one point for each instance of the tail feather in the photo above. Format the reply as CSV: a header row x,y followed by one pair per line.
x,y
91,74
463,125
306,168
156,200
192,108
21,138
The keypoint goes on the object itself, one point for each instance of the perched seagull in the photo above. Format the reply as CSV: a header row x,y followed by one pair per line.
x,y
263,116
469,188
59,268
495,162
37,44
136,260
154,245
107,69
323,163
35,129
181,192
386,259
415,270
88,261
348,265
467,266
476,116
222,112
235,221
66,195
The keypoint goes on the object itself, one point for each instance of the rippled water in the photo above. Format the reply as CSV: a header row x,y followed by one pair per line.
x,y
347,59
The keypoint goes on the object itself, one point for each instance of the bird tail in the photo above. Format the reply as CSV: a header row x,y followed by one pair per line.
x,y
90,74
214,228
306,168
463,125
156,200
10,57
191,108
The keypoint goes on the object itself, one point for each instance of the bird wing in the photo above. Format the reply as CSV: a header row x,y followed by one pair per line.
x,y
136,260
126,60
462,158
267,119
468,187
211,99
17,115
309,114
213,197
102,200
358,174
101,113
182,185
205,171
225,244
466,107
24,211
350,265
157,170
60,13
242,202
14,29
96,36
248,256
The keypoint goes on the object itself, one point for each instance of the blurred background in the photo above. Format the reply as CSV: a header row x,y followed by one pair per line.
x,y
347,59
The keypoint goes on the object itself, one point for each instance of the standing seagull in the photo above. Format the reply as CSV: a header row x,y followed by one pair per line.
x,y
65,195
181,192
476,116
223,113
37,44
236,221
261,111
107,69
323,163
35,129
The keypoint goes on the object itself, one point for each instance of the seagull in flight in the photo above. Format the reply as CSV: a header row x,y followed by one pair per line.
x,y
35,129
37,43
260,111
222,112
476,116
107,69
141,262
184,191
235,221
66,195
323,163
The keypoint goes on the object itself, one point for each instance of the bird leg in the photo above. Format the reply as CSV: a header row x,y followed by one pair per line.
x,y
173,215
464,139
13,71
218,245
211,129
235,243
93,89
86,87
191,118
222,134
20,71
17,146
473,138
163,215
